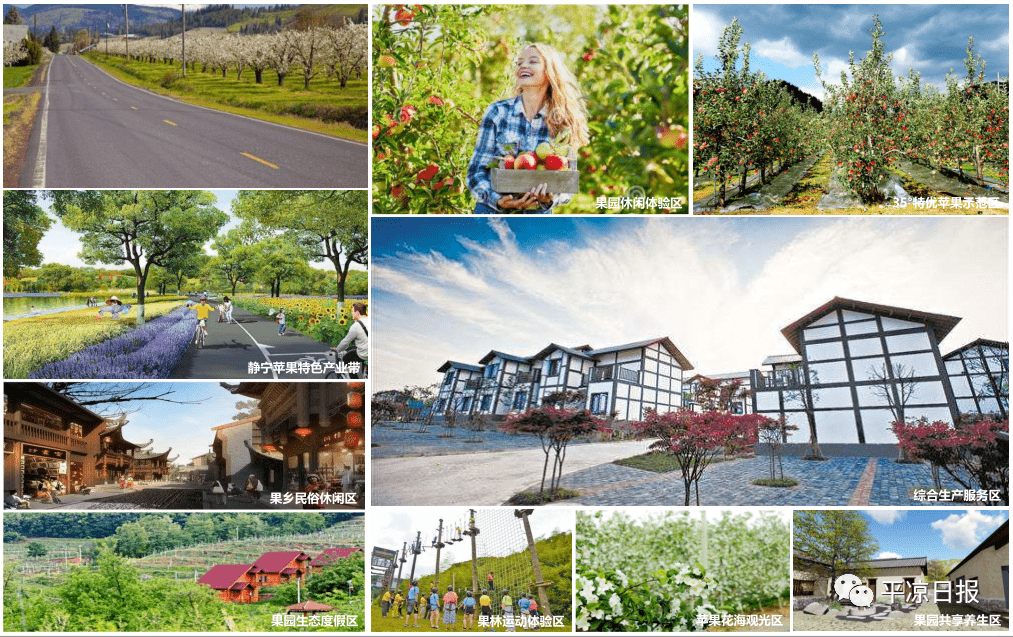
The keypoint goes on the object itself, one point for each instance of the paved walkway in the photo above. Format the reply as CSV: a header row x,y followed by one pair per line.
x,y
391,440
229,350
480,479
833,482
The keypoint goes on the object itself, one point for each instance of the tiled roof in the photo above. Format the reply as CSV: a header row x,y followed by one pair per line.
x,y
309,605
981,341
903,562
330,555
779,359
274,562
472,368
664,340
224,576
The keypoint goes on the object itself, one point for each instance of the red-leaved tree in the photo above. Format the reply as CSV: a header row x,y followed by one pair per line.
x,y
555,429
971,453
696,439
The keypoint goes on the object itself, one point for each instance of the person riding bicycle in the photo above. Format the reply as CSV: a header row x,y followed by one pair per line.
x,y
203,310
358,335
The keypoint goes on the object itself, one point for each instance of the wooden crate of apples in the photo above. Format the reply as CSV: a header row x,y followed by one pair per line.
x,y
545,164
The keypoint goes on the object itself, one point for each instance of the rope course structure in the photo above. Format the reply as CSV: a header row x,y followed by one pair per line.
x,y
491,549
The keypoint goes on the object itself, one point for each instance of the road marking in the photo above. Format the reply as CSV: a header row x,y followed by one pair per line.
x,y
255,158
134,107
39,178
169,123
263,350
115,100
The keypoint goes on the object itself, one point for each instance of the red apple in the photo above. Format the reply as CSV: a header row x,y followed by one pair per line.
x,y
555,162
508,161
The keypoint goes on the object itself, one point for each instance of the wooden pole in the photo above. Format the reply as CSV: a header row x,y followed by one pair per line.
x,y
540,583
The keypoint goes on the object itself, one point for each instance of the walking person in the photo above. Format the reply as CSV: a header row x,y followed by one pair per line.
x,y
226,309
280,317
385,604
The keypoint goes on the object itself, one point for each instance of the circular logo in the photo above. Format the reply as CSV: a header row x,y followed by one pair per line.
x,y
845,583
636,192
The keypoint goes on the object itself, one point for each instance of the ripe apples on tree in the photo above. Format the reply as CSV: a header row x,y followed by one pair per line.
x,y
428,172
386,61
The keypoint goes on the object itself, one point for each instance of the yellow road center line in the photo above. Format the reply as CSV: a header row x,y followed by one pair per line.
x,y
134,107
255,158
169,123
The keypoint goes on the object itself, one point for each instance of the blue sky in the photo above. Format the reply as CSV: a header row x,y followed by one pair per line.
x,y
929,38
721,288
940,534
185,428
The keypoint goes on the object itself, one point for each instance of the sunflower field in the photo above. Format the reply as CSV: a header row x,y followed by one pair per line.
x,y
319,318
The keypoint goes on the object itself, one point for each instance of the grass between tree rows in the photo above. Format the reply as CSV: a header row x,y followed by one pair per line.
x,y
806,194
326,108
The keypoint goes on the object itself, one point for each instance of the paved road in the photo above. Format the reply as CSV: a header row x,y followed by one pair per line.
x,y
98,132
484,479
230,348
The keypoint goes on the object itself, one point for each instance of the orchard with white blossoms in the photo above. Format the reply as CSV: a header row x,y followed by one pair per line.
x,y
661,573
337,52
15,51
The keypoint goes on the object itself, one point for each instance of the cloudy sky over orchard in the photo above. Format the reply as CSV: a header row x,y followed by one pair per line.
x,y
931,39
722,289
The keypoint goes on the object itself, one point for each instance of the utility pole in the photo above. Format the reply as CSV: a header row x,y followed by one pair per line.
x,y
184,39
439,545
126,39
540,583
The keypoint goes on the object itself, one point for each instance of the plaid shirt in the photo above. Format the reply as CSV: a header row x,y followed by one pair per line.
x,y
504,124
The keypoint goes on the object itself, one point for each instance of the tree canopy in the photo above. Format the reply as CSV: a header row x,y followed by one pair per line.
x,y
24,225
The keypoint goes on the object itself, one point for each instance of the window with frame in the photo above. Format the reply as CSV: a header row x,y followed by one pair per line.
x,y
465,403
448,379
599,403
520,398
553,369
486,402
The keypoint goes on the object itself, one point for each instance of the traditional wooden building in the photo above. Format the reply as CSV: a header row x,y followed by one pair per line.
x,y
48,436
116,455
979,375
621,380
857,360
314,428
153,467
238,453
331,556
282,567
235,582
988,567
737,401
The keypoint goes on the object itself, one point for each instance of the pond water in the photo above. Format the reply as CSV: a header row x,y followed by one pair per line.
x,y
15,306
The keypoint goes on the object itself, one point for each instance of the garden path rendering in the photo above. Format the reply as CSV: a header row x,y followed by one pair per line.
x,y
490,467
230,348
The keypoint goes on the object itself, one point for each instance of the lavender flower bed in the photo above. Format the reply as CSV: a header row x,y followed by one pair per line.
x,y
152,351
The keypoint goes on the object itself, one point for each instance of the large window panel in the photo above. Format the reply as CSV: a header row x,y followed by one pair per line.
x,y
931,413
893,324
826,373
967,406
850,315
868,368
922,364
989,405
866,346
961,388
927,392
833,426
900,343
863,327
997,365
767,401
955,366
832,397
981,384
877,426
824,351
826,319
871,396
819,333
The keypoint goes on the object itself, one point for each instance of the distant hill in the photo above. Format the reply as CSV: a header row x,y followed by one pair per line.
x,y
73,17
801,97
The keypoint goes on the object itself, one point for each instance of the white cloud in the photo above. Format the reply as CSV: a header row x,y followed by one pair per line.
x,y
887,555
782,51
680,277
966,531
886,516
706,32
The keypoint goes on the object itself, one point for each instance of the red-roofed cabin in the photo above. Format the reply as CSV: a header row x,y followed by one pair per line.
x,y
330,556
282,567
234,582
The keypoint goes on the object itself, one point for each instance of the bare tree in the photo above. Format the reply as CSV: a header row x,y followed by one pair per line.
x,y
109,399
896,387
800,389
